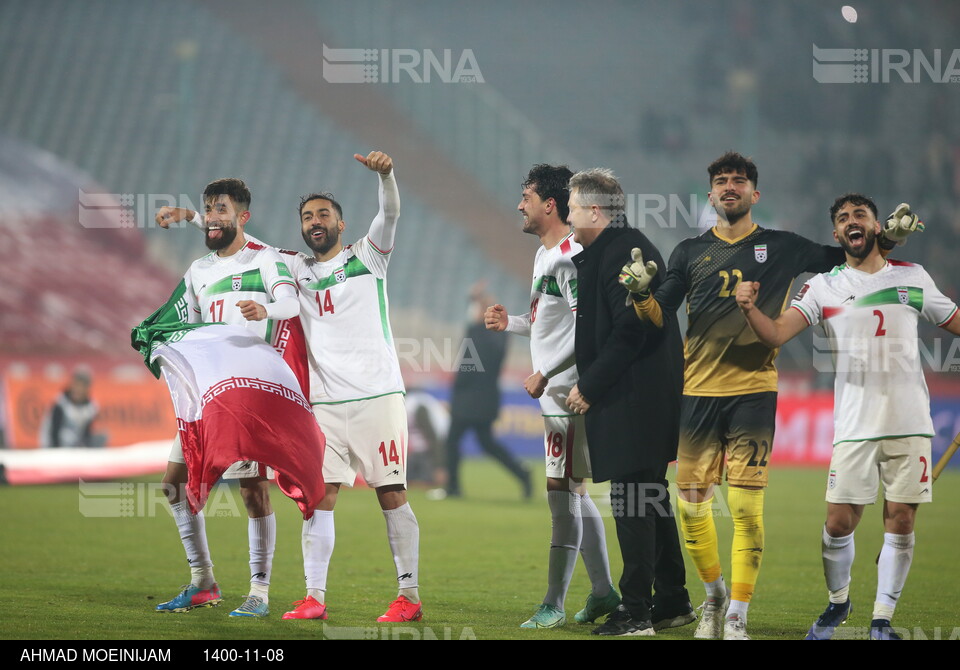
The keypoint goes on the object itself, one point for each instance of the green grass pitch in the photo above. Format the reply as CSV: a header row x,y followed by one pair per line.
x,y
483,566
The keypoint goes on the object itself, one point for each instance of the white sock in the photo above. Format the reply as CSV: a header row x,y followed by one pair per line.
x,y
317,540
593,547
193,535
716,589
892,569
403,532
738,608
838,554
564,543
262,536
260,590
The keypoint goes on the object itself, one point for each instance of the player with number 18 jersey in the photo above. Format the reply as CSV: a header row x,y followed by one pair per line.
x,y
550,325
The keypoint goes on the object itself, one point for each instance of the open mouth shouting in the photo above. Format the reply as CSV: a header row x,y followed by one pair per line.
x,y
857,240
856,236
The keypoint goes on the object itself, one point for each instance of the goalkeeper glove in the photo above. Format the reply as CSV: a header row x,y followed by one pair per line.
x,y
901,223
636,276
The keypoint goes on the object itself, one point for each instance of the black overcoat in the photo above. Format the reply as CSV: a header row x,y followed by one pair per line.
x,y
630,371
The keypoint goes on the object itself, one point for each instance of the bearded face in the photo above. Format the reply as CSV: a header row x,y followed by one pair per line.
x,y
320,225
732,194
857,240
220,235
856,229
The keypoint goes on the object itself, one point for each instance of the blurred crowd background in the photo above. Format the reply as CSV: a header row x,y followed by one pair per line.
x,y
147,101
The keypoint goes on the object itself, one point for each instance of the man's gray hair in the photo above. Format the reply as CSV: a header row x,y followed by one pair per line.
x,y
598,186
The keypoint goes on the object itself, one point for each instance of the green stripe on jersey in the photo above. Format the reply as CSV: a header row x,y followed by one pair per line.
x,y
547,285
268,336
353,268
883,437
384,319
897,295
342,402
251,281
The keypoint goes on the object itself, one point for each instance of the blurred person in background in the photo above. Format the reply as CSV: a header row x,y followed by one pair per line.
x,y
475,401
428,422
69,423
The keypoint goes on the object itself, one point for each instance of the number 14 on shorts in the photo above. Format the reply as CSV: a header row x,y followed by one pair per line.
x,y
389,454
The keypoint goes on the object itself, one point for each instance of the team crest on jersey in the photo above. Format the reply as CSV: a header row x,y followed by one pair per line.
x,y
760,253
340,275
236,282
903,293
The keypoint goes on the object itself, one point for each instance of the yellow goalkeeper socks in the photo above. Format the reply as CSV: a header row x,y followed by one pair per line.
x,y
700,537
746,507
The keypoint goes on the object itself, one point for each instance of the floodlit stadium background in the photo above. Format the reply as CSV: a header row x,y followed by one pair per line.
x,y
149,101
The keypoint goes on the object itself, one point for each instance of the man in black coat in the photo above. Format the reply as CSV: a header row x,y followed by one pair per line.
x,y
631,378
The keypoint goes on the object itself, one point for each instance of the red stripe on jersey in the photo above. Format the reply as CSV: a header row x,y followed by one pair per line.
x,y
379,250
900,263
565,246
831,311
288,252
950,318
284,281
568,466
801,313
255,247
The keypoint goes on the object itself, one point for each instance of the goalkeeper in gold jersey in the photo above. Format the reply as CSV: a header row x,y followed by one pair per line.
x,y
728,408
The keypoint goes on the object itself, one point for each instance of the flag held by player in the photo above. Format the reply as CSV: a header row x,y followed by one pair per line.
x,y
236,400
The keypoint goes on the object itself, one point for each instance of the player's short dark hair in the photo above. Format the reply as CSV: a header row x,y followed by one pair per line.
x,y
855,199
735,163
231,187
321,196
549,181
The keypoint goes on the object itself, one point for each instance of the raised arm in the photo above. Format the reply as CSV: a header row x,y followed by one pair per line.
x,y
384,226
770,332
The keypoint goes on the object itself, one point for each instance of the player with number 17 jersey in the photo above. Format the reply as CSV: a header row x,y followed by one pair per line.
x,y
215,284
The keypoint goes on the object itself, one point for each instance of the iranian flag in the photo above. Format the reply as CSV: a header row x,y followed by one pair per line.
x,y
236,400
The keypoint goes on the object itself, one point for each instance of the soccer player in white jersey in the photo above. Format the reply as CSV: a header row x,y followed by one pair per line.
x,y
868,308
241,282
355,385
549,324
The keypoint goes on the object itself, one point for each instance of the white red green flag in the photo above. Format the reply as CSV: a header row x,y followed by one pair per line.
x,y
236,400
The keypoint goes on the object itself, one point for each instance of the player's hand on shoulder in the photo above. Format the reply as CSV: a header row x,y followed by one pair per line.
x,y
167,215
901,224
747,292
376,161
252,310
495,318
